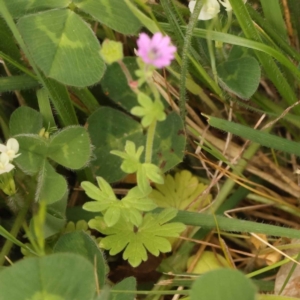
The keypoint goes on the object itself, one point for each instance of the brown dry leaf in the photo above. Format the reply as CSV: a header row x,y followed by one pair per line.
x,y
258,245
292,288
268,256
271,257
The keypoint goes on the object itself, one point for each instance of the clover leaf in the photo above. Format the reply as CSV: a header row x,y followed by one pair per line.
x,y
149,110
150,236
131,157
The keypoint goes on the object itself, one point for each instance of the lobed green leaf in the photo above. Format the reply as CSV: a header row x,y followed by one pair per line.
x,y
150,236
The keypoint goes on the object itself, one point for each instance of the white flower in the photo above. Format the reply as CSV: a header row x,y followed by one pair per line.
x,y
227,4
11,149
5,165
209,9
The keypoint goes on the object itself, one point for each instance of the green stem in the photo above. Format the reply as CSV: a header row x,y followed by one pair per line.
x,y
211,50
17,65
184,292
228,23
185,52
15,230
149,142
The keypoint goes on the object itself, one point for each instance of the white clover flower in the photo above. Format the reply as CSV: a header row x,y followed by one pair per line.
x,y
211,8
11,149
5,165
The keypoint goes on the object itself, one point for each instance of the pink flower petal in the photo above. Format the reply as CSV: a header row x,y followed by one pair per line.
x,y
157,51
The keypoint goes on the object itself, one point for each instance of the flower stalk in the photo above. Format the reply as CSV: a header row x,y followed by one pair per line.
x,y
149,141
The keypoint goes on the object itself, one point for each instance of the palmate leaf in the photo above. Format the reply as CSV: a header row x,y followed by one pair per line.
x,y
131,157
130,208
149,110
150,236
183,191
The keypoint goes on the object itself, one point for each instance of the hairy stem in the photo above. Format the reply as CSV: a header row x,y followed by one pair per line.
x,y
149,142
185,52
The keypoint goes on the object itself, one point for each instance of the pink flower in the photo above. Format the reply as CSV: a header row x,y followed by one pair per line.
x,y
157,51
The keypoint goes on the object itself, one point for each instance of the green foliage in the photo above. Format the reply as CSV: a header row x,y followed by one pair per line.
x,y
69,147
80,225
21,82
169,142
61,101
80,243
25,120
223,284
131,157
113,13
181,192
208,261
115,85
55,47
209,221
240,76
131,164
55,216
149,236
75,280
47,180
149,110
19,8
111,51
34,152
257,136
107,135
63,47
168,146
152,172
272,70
45,109
127,284
128,209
